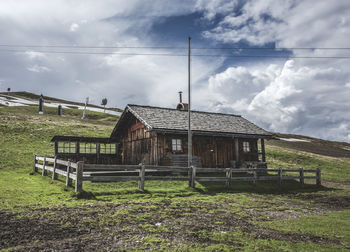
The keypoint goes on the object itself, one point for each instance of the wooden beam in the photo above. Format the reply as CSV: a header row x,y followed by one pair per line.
x,y
236,149
44,171
263,150
54,174
193,177
142,177
79,177
68,180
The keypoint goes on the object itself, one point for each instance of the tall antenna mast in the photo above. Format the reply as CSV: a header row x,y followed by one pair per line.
x,y
189,105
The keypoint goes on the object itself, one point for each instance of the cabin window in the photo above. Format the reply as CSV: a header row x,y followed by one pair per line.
x,y
87,148
246,147
176,143
66,147
108,149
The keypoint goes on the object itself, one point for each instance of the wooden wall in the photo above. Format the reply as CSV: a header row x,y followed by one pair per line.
x,y
210,151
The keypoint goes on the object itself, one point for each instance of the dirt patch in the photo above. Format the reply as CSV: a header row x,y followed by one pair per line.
x,y
130,225
16,230
332,203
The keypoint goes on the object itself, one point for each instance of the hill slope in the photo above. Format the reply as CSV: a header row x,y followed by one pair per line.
x,y
37,213
311,145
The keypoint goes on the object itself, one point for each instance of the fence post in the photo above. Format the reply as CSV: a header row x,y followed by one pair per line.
x,y
44,171
301,176
280,178
68,180
193,177
54,174
189,176
35,169
255,176
318,177
142,177
79,177
228,177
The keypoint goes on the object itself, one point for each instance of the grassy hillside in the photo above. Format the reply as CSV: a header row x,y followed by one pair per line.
x,y
37,213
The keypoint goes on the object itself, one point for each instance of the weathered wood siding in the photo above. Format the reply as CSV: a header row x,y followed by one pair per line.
x,y
136,144
210,151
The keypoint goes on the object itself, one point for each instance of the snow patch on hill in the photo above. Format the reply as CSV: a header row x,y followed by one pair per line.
x,y
12,101
295,140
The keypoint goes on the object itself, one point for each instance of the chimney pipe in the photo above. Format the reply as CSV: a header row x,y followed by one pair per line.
x,y
180,94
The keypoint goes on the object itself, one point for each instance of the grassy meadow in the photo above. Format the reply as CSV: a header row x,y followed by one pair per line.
x,y
37,213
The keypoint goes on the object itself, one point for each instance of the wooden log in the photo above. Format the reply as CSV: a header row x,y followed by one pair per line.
x,y
89,167
318,177
208,179
68,179
34,166
40,158
142,177
79,177
54,174
72,176
111,178
301,175
198,170
62,162
193,177
61,172
48,168
228,177
40,166
48,159
166,178
44,171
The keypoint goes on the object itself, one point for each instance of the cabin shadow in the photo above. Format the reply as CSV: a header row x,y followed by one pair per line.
x,y
207,188
263,187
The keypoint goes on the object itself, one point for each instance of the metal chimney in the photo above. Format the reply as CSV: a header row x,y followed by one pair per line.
x,y
180,94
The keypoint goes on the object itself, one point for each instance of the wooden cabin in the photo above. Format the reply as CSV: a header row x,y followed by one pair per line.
x,y
158,136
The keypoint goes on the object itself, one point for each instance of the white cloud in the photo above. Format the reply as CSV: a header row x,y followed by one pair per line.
x,y
74,27
38,69
35,55
290,99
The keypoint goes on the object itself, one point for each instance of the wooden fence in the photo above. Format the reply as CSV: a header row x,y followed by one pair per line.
x,y
107,173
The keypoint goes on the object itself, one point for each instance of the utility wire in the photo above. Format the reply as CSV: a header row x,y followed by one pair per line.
x,y
174,47
183,55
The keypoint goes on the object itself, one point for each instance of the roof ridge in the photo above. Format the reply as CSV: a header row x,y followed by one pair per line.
x,y
196,111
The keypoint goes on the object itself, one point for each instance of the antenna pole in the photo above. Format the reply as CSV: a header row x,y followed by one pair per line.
x,y
189,105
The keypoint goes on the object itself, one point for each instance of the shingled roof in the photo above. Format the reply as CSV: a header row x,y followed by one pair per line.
x,y
173,120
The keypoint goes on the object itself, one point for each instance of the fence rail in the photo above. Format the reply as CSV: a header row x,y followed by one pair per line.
x,y
107,173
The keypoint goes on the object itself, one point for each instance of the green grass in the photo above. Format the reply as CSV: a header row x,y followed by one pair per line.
x,y
333,225
332,169
201,216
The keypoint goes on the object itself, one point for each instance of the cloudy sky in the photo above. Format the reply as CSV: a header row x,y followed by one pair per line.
x,y
303,91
